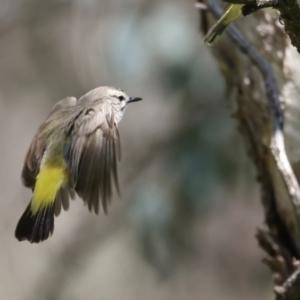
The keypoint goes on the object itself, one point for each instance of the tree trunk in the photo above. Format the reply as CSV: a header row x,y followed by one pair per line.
x,y
262,73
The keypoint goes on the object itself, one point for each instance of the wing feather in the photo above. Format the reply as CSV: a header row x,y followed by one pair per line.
x,y
39,142
62,199
94,147
113,158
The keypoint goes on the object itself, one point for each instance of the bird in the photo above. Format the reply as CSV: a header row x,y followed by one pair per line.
x,y
232,12
75,151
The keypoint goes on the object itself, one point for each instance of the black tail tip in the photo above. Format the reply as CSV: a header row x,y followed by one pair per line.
x,y
35,227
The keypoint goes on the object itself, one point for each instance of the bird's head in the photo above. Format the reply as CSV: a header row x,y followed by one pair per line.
x,y
117,98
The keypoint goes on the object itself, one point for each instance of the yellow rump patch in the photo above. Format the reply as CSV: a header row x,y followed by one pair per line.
x,y
48,182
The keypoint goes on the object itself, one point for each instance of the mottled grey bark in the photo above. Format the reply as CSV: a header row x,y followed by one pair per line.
x,y
261,70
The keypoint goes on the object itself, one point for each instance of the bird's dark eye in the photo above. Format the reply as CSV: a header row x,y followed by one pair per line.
x,y
121,98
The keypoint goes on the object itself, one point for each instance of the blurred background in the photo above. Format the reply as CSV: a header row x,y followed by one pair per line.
x,y
185,227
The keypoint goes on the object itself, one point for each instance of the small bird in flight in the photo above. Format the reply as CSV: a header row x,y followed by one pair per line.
x,y
75,150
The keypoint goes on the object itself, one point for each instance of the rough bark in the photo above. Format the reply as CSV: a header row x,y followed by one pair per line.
x,y
259,65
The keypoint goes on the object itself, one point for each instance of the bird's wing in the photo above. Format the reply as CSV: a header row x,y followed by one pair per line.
x,y
92,155
38,144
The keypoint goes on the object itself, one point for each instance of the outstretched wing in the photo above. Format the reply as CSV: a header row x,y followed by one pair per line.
x,y
38,144
92,155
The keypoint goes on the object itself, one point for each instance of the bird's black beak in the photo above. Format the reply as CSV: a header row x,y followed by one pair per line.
x,y
133,99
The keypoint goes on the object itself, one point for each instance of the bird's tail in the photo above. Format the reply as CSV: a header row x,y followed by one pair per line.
x,y
36,227
37,222
232,12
